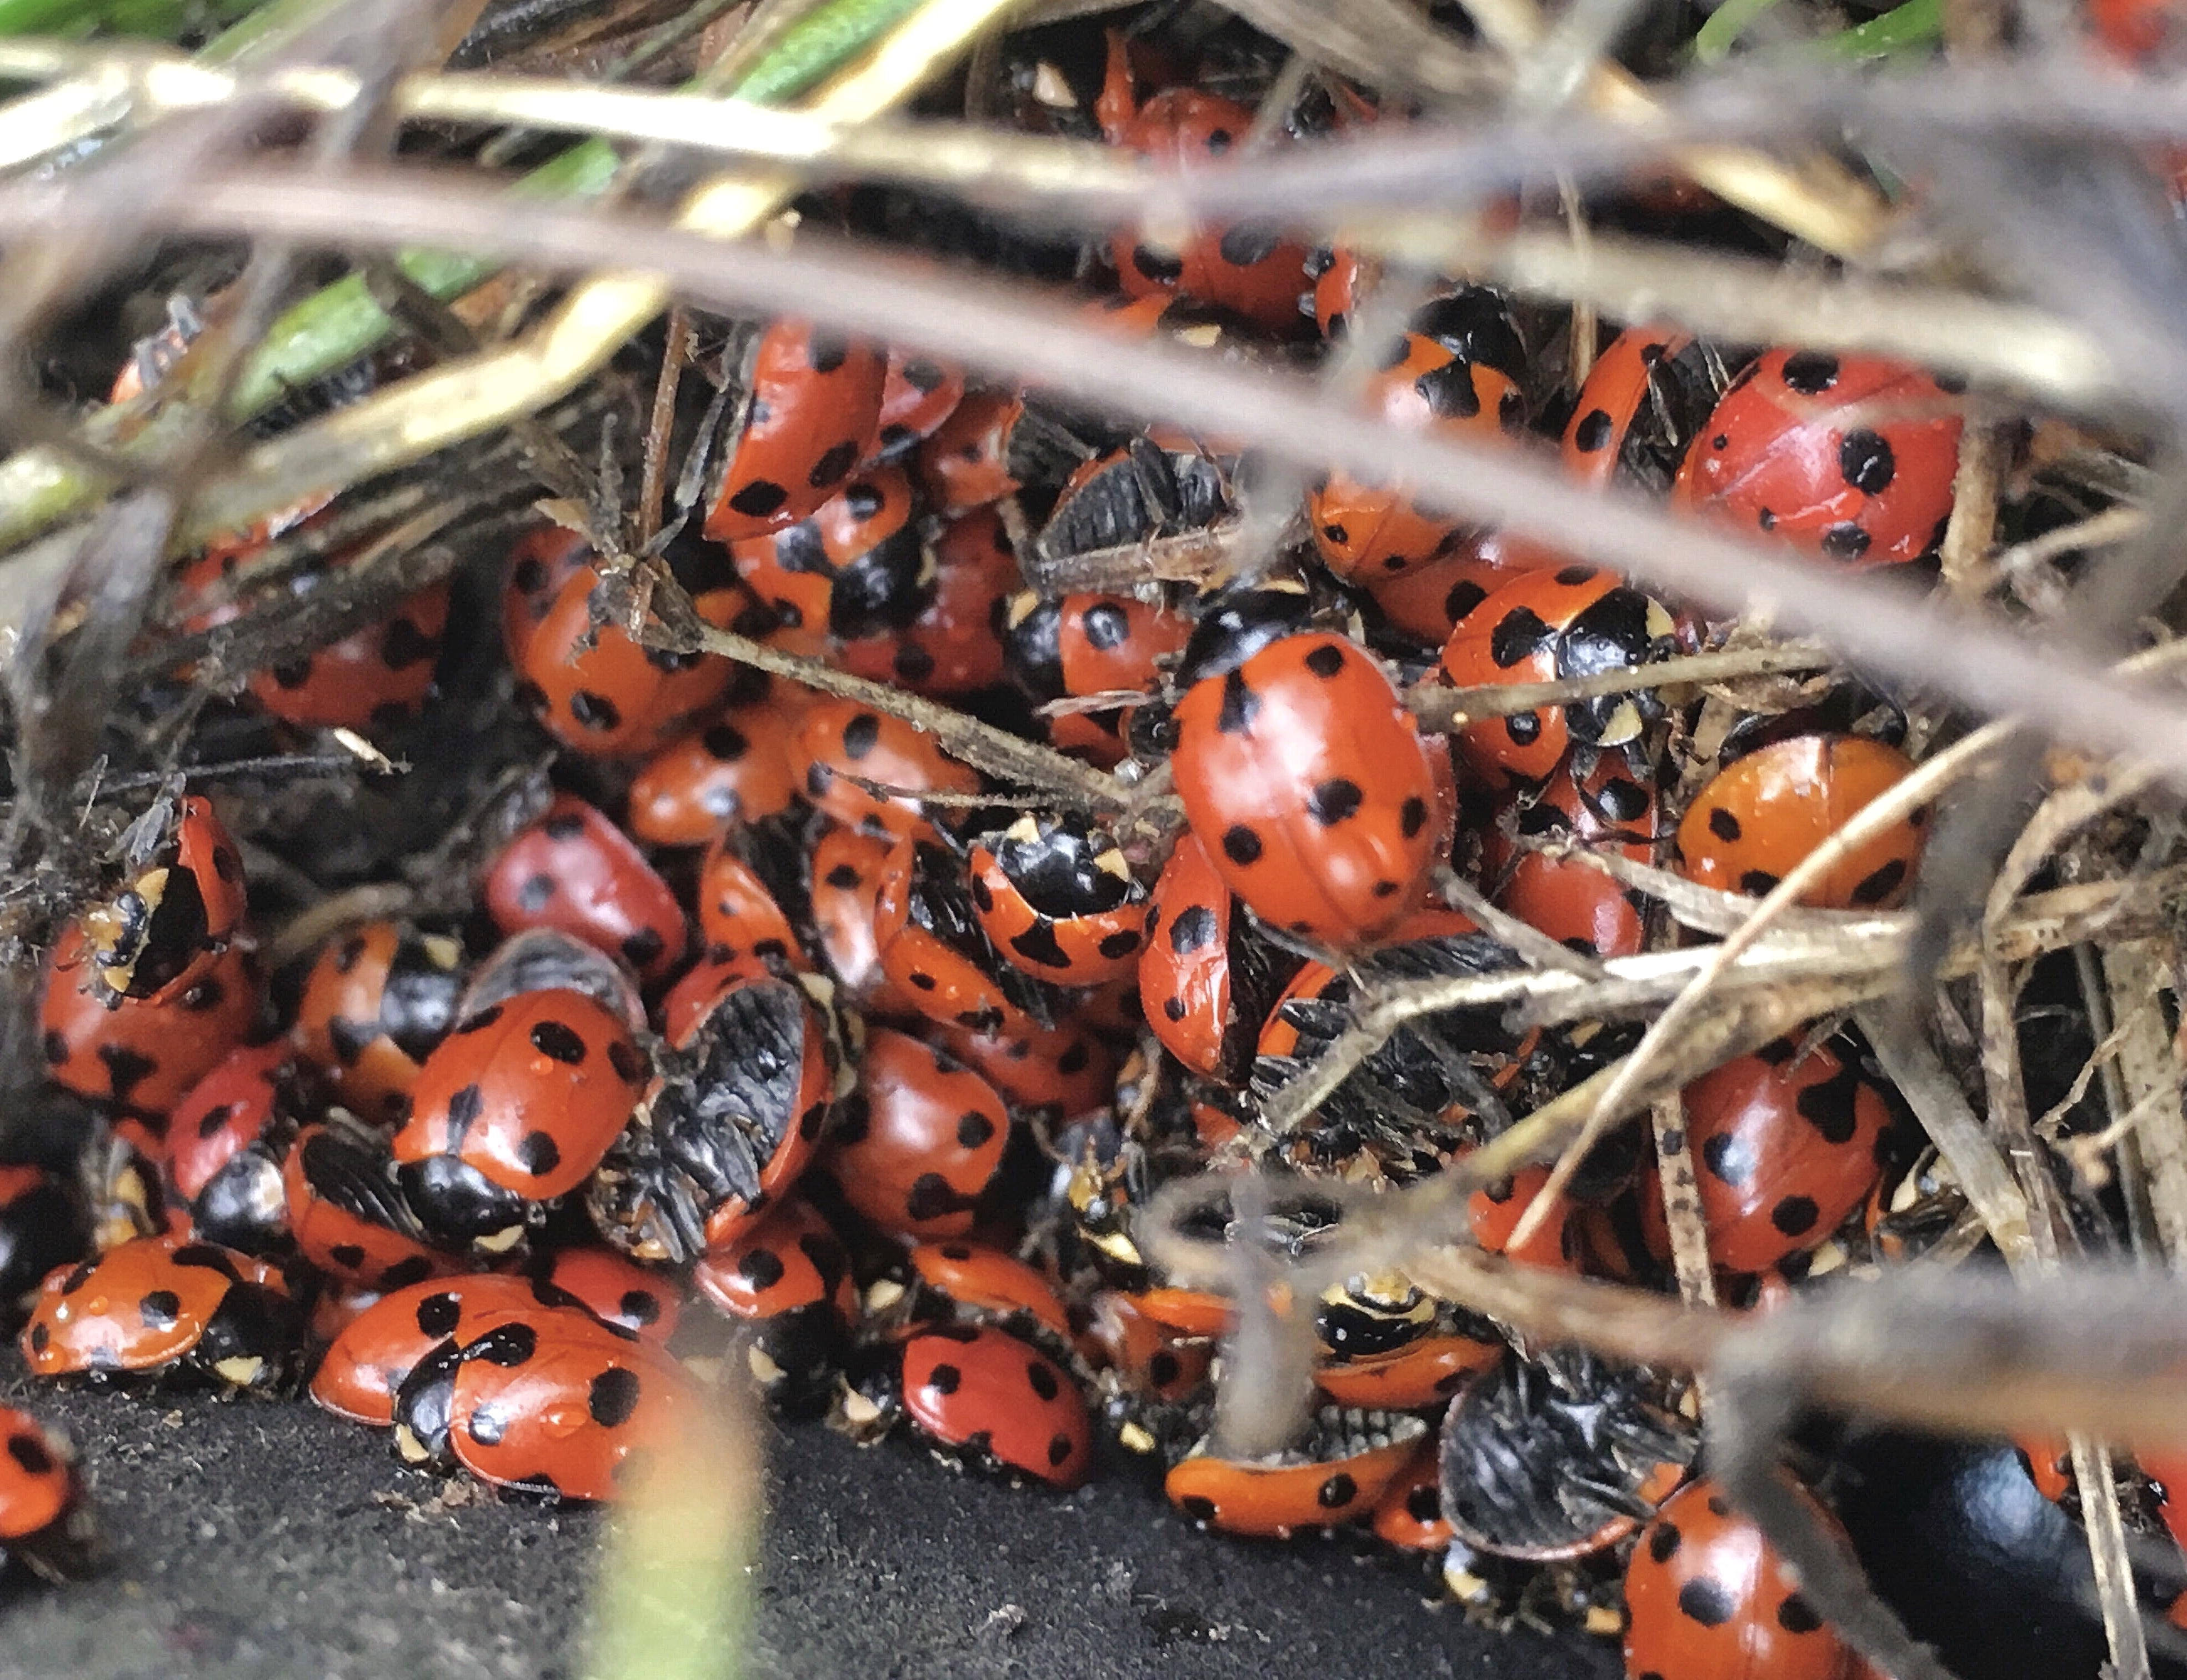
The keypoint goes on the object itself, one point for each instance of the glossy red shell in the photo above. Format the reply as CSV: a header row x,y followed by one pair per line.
x,y
134,1308
815,413
38,1483
575,870
619,1291
1276,1500
530,1092
1850,457
738,917
1568,899
224,1112
343,1020
735,770
986,1281
984,1389
846,883
953,647
918,1143
1762,814
616,697
838,736
346,1246
1184,967
1306,779
371,1355
143,1055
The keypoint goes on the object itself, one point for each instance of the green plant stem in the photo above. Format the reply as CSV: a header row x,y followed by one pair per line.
x,y
1917,24
341,323
1713,41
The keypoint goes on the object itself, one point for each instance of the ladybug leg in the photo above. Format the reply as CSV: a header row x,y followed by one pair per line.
x,y
1752,1406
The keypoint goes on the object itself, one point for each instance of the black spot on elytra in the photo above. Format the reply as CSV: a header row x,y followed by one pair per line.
x,y
1828,1105
1728,1157
1194,929
1333,800
1326,661
1106,626
1060,1448
1246,243
1795,1615
159,1309
1865,460
762,1268
613,1398
1518,634
861,734
535,894
1159,266
347,1255
30,1454
973,1130
437,1315
1339,1491
1881,883
1663,1541
1043,1380
464,1107
558,1042
1811,373
1795,1216
1593,431
843,876
759,499
641,949
1724,825
596,712
1240,705
1708,1602
1120,944
944,1379
1845,542
1241,846
1756,882
539,1153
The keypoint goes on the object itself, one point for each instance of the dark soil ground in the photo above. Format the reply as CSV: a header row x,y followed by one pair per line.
x,y
251,1539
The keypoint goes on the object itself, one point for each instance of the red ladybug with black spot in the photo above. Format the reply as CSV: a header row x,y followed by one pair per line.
x,y
1461,371
935,950
954,646
1785,1147
1650,392
515,1107
223,1155
918,395
1409,1514
1430,602
183,903
1761,814
995,444
1306,779
1850,457
728,1125
1059,1074
960,1281
575,870
847,869
1207,976
999,1401
840,738
158,1306
614,1291
1609,809
1137,1353
739,917
346,1215
1708,1599
1057,899
45,1517
735,770
376,1002
813,414
1249,267
1085,645
597,691
369,1356
1494,1211
1338,1472
142,1054
1549,626
785,1279
853,567
546,1401
919,1143
540,563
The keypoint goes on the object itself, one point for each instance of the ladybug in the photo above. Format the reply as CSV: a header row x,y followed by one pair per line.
x,y
1306,779
1390,1348
139,1055
994,445
1338,1472
918,394
840,738
1708,1599
184,903
614,1291
1000,1401
376,1002
1134,495
786,1278
1650,390
1461,370
346,1215
1057,899
1208,977
1547,1459
728,1127
515,1107
847,878
1785,1147
1085,645
1429,1075
1545,626
854,567
1788,451
739,917
1147,1359
976,1282
540,563
1762,814
1343,279
1494,1211
1058,1075
919,1141
1607,809
575,870
1409,1514
222,1148
367,1359
936,953
1249,267
547,959
953,647
814,414
186,1311
735,770
547,1401
598,692
1428,603
45,1518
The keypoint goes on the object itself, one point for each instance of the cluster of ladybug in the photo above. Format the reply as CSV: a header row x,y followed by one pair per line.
x,y
778,1001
